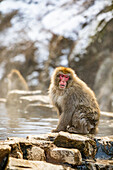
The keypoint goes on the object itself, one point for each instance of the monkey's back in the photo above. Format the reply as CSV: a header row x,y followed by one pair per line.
x,y
87,110
16,81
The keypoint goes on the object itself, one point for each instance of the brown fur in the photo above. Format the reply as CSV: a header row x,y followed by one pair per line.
x,y
16,81
76,105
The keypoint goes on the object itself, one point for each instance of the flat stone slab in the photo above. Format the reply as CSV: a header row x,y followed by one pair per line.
x,y
84,144
47,137
19,164
35,98
25,93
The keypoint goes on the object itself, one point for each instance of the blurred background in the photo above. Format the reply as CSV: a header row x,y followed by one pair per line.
x,y
38,35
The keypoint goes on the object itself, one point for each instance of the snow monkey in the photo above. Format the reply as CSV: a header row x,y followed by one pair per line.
x,y
75,102
16,81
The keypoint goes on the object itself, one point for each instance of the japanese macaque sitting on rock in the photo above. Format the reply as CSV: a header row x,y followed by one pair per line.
x,y
75,102
16,81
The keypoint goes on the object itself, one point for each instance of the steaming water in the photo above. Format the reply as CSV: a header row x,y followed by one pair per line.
x,y
17,124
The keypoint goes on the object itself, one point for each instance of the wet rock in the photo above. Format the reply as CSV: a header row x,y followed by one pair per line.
x,y
33,165
104,147
4,156
47,137
84,144
64,155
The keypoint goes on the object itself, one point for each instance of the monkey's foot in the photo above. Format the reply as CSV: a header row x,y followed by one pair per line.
x,y
72,130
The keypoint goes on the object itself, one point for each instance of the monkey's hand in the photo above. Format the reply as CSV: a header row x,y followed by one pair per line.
x,y
54,131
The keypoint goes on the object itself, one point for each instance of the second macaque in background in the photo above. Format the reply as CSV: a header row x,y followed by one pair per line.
x,y
16,81
75,102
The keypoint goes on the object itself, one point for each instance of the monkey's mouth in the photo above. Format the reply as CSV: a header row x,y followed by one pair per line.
x,y
62,86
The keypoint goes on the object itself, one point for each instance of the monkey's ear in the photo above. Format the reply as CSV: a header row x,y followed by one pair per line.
x,y
75,75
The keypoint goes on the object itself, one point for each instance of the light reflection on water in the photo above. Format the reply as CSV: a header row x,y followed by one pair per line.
x,y
17,124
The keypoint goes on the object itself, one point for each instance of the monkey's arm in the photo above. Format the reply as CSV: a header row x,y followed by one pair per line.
x,y
64,120
66,116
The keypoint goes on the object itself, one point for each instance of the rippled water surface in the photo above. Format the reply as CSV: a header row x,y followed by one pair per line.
x,y
17,124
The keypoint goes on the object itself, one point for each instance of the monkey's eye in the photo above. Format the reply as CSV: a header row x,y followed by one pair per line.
x,y
66,76
70,77
61,75
58,75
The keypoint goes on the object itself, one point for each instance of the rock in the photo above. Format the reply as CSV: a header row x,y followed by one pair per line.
x,y
4,156
29,101
64,155
47,137
70,147
104,147
35,149
84,144
15,139
97,164
33,165
2,100
25,100
27,148
16,151
35,153
13,97
40,143
104,164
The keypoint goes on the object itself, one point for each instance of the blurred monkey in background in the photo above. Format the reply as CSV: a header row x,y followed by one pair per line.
x,y
75,102
16,81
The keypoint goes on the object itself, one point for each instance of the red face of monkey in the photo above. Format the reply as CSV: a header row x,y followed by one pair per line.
x,y
63,81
